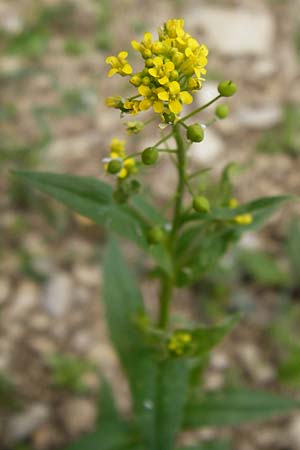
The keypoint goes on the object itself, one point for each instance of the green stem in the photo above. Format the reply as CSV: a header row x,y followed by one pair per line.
x,y
166,281
200,109
181,157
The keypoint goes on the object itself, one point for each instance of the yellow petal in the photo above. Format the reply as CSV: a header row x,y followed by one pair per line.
x,y
163,80
111,72
135,45
145,104
169,66
174,87
127,69
158,106
123,173
123,55
163,95
158,61
144,90
186,97
147,38
153,72
111,60
175,106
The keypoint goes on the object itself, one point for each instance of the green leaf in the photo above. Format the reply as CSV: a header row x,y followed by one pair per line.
x,y
108,437
172,384
107,408
205,338
293,249
235,407
124,304
263,268
93,199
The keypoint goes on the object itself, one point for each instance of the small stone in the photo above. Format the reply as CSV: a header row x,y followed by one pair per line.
x,y
219,361
47,437
25,299
294,432
87,275
214,381
78,415
22,425
4,289
57,296
258,368
42,345
259,118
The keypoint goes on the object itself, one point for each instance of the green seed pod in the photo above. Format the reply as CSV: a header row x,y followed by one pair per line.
x,y
155,235
227,88
222,111
150,156
114,166
201,204
195,133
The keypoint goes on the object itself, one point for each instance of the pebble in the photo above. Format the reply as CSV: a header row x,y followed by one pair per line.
x,y
294,432
260,370
57,296
26,298
4,289
78,415
22,425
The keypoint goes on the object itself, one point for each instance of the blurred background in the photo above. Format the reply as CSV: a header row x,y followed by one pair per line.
x,y
52,117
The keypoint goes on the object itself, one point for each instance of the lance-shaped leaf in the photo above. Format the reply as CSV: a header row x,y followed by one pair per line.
x,y
235,407
124,305
171,393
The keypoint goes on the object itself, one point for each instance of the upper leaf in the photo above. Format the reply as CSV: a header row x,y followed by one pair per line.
x,y
234,407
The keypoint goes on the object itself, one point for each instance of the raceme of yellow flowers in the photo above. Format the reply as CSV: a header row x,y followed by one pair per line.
x,y
173,71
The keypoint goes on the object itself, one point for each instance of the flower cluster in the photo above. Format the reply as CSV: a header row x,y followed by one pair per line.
x,y
118,162
174,66
179,342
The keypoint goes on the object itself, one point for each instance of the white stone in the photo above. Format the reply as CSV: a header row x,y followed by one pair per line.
x,y
26,298
24,424
207,151
261,118
57,296
234,31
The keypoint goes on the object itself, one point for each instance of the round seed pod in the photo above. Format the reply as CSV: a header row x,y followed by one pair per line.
x,y
114,166
155,235
201,204
222,111
195,133
227,88
150,156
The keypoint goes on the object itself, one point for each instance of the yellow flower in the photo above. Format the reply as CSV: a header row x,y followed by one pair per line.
x,y
179,342
117,148
150,99
129,167
161,69
114,102
174,96
119,64
244,219
145,46
132,106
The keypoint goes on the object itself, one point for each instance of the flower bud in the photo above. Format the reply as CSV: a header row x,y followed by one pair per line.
x,y
201,204
222,111
114,166
135,80
155,235
227,88
195,133
150,156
